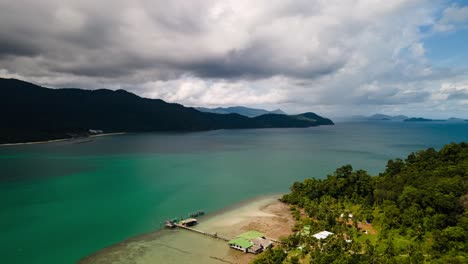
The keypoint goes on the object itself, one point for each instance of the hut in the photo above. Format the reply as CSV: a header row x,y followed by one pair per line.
x,y
189,222
322,235
259,244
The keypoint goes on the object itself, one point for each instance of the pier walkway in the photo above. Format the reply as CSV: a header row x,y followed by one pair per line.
x,y
215,235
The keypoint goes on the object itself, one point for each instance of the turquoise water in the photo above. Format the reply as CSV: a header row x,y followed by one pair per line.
x,y
61,201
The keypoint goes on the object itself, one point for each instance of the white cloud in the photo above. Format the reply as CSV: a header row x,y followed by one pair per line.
x,y
418,49
457,91
198,92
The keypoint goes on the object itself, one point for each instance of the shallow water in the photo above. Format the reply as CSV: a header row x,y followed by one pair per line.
x,y
182,246
63,201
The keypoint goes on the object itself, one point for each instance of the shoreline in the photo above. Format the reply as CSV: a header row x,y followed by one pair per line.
x,y
265,214
60,139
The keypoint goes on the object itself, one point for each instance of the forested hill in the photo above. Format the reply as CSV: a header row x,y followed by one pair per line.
x,y
416,211
33,113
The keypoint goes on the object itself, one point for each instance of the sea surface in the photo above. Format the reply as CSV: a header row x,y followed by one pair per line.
x,y
60,202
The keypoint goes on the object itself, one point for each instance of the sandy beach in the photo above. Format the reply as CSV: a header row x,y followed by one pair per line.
x,y
61,139
264,214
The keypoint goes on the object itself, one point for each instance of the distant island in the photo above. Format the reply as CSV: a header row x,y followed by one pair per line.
x,y
32,113
455,120
420,119
397,118
375,117
387,117
241,110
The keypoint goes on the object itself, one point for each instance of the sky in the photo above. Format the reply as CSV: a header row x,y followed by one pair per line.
x,y
332,57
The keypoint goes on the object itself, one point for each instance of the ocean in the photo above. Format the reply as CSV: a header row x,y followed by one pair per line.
x,y
60,202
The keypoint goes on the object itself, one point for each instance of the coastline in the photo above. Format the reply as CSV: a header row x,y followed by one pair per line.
x,y
108,134
265,214
60,139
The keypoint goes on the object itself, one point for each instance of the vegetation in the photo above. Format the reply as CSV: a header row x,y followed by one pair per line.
x,y
34,113
413,212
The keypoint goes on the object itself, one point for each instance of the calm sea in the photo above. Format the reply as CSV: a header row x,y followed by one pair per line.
x,y
62,201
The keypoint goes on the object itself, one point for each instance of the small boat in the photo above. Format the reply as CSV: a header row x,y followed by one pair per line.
x,y
170,224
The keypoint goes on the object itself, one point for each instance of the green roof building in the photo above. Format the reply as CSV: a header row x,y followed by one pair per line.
x,y
240,243
251,241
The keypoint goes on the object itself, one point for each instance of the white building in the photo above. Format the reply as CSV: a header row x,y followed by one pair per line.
x,y
322,235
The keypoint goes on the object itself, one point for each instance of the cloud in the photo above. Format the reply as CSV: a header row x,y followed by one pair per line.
x,y
232,39
335,56
196,91
376,94
453,18
453,91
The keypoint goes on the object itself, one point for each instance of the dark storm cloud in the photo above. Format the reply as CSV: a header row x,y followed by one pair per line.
x,y
78,40
257,63
458,95
10,48
222,69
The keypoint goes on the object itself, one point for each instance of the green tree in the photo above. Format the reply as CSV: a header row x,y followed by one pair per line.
x,y
389,251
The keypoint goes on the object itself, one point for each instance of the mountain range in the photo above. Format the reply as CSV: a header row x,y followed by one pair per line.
x,y
33,113
387,117
241,110
378,117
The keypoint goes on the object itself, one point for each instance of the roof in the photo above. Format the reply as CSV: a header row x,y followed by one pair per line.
x,y
322,235
189,220
261,242
242,242
251,235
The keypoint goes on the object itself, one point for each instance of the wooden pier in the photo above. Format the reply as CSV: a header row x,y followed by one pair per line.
x,y
215,235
